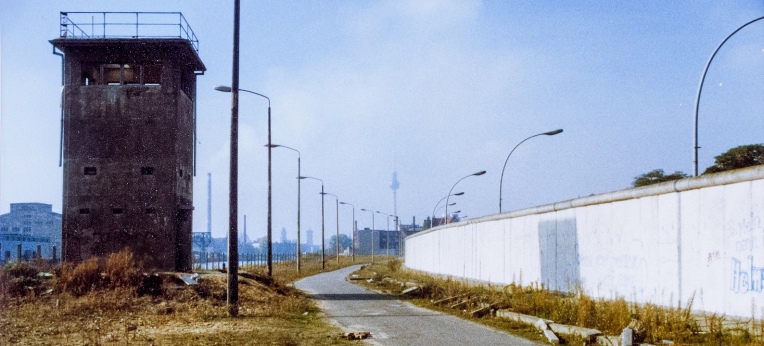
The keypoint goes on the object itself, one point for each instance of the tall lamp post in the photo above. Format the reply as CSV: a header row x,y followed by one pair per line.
x,y
700,89
270,193
323,252
352,235
298,198
501,180
337,239
372,232
387,234
457,182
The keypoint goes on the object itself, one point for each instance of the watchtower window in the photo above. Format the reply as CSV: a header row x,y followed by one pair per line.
x,y
147,170
150,211
90,171
152,74
91,74
121,74
117,211
112,74
85,211
131,74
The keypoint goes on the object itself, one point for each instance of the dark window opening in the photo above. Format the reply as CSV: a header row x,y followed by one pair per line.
x,y
121,74
117,211
112,74
147,170
131,74
85,211
90,171
151,74
91,74
150,211
180,173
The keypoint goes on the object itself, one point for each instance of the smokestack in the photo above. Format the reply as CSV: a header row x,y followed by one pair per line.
x,y
209,203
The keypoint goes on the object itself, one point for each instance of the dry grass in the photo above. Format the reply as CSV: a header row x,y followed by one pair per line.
x,y
104,302
677,324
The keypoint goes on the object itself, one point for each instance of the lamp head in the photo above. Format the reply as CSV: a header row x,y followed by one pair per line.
x,y
458,194
479,173
552,133
223,88
271,145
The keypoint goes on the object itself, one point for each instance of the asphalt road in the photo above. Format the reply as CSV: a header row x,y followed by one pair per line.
x,y
393,322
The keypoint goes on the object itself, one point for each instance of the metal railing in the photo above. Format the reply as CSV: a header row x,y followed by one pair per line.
x,y
126,25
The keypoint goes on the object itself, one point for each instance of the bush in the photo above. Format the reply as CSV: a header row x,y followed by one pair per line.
x,y
394,265
19,279
122,270
81,279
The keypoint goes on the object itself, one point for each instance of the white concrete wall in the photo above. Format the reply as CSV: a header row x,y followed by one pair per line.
x,y
698,237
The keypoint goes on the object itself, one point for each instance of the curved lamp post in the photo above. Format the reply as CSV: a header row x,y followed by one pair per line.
x,y
224,88
323,259
372,232
352,235
337,239
434,211
457,182
501,181
298,197
700,89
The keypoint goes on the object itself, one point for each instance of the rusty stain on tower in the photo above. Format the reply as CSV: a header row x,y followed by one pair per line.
x,y
128,127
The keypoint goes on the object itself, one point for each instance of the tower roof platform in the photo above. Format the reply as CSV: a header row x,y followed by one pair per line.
x,y
121,34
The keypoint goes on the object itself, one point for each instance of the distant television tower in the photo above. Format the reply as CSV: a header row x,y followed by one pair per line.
x,y
394,186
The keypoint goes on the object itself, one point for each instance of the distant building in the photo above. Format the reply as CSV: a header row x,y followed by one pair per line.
x,y
309,237
30,225
385,242
129,118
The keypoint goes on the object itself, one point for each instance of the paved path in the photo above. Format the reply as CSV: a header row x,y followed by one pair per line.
x,y
393,322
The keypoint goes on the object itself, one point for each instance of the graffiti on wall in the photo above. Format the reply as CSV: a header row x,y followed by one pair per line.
x,y
746,277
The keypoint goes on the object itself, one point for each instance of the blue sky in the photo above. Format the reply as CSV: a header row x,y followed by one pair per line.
x,y
435,89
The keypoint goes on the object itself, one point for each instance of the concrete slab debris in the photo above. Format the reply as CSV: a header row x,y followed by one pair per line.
x,y
356,335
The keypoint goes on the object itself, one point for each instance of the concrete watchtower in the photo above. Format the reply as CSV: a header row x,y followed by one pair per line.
x,y
128,126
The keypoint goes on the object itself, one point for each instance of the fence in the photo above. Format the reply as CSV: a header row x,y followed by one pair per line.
x,y
24,254
126,25
218,260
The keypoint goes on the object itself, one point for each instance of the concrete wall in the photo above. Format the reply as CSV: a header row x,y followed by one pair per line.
x,y
698,237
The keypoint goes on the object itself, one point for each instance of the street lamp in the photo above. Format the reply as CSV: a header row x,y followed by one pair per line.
x,y
323,260
457,182
372,233
352,236
224,88
436,206
700,88
501,180
435,211
298,198
337,239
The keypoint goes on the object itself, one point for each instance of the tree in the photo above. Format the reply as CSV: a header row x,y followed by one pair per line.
x,y
656,176
345,242
738,157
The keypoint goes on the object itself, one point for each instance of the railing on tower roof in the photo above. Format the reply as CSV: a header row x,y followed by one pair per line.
x,y
126,25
